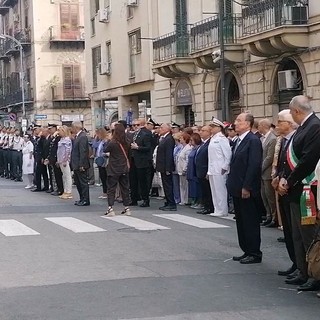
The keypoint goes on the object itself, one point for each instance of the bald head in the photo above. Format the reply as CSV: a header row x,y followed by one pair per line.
x,y
165,128
76,126
264,126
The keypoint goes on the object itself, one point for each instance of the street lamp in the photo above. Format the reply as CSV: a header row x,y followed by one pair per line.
x,y
18,43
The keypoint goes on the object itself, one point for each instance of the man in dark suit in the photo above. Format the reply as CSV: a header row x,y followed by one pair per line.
x,y
286,128
80,163
140,163
165,165
303,155
244,185
201,166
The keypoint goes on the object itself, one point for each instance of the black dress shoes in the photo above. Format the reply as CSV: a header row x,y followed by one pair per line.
x,y
287,272
310,285
294,274
36,190
239,257
205,211
133,204
297,281
281,239
250,260
83,204
266,222
77,202
168,208
145,204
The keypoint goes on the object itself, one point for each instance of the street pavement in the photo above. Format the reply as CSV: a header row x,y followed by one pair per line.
x,y
62,262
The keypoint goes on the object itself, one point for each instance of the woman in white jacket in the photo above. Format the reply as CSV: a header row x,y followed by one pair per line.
x,y
181,167
219,157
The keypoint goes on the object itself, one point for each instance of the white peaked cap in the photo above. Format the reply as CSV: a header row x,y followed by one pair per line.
x,y
216,122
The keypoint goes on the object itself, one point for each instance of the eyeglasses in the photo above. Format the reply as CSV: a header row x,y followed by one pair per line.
x,y
136,125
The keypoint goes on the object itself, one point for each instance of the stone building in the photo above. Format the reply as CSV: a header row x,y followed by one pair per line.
x,y
51,34
271,53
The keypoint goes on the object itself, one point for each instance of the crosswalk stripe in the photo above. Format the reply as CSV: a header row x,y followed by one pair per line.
x,y
75,225
136,223
203,224
13,228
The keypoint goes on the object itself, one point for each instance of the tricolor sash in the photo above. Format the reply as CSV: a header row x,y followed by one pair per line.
x,y
307,201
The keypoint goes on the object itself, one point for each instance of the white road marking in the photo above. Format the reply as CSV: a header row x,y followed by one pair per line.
x,y
13,228
136,223
203,224
75,225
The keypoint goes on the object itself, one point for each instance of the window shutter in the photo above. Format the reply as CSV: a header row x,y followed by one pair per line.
x,y
69,20
67,82
77,90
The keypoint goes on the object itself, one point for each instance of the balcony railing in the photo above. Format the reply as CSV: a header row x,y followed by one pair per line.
x,y
66,33
69,92
24,37
205,33
14,96
170,46
269,14
8,3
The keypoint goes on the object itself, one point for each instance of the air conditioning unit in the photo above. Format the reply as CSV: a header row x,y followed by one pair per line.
x,y
104,15
287,80
104,68
132,2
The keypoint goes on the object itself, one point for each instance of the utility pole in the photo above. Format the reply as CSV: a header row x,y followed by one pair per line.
x,y
222,64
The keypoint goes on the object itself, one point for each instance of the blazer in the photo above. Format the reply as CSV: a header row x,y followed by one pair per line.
x,y
165,161
306,146
219,154
268,147
143,156
245,167
182,160
80,152
201,160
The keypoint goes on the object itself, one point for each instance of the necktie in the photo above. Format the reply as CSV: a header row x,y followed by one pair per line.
x,y
237,145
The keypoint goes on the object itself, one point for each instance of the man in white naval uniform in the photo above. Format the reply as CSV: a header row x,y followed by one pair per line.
x,y
219,157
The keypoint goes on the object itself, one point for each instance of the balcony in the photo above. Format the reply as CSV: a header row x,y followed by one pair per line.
x,y
24,37
65,35
205,39
12,96
70,96
4,10
171,56
272,27
8,3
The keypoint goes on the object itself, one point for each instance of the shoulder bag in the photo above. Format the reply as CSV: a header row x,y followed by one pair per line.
x,y
313,256
125,154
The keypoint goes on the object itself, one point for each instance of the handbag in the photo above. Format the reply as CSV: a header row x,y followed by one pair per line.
x,y
124,152
100,161
313,257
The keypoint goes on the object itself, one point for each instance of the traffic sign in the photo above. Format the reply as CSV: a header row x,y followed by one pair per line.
x,y
12,116
40,117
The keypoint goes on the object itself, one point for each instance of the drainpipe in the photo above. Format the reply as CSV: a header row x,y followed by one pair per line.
x,y
246,83
203,97
171,104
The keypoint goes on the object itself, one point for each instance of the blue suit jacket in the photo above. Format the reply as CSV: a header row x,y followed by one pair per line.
x,y
201,160
245,167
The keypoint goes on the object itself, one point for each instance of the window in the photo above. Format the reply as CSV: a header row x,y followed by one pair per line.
x,y
130,10
96,60
134,49
93,26
71,82
69,21
108,56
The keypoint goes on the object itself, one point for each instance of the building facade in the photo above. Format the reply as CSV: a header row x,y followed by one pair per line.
x,y
271,54
119,59
51,34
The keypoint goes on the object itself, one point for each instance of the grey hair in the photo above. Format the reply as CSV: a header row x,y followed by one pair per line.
x,y
250,118
302,103
77,124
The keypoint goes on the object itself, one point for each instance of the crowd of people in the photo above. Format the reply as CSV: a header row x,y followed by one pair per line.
x,y
264,174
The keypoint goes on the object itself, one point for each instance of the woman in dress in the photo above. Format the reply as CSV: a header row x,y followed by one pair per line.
x,y
182,164
118,169
28,161
63,160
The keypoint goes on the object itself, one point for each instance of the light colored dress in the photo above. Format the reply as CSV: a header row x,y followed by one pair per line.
x,y
27,163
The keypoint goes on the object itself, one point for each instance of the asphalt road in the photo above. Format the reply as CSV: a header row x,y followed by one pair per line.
x,y
62,262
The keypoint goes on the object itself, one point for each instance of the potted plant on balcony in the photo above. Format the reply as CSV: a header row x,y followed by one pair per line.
x,y
51,85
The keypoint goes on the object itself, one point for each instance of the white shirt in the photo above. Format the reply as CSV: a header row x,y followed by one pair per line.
x,y
265,136
17,143
241,137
